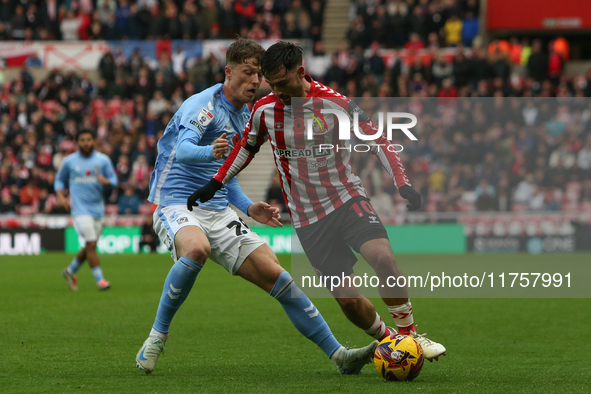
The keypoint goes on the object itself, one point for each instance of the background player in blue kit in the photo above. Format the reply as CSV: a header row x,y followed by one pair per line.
x,y
191,150
85,173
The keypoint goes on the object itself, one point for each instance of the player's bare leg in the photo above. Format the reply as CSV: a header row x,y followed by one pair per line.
x,y
360,311
262,268
378,253
94,263
81,256
91,255
193,249
190,241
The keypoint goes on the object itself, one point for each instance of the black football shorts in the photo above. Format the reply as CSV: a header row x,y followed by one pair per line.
x,y
328,242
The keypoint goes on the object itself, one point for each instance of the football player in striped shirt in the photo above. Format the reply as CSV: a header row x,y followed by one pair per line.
x,y
191,150
329,207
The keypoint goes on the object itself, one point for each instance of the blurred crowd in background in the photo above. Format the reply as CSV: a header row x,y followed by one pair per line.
x,y
506,154
528,162
414,24
71,20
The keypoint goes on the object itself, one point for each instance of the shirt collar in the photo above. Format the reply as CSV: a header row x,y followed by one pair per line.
x,y
312,91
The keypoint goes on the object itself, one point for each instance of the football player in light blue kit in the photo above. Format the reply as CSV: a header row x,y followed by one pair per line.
x,y
191,150
85,173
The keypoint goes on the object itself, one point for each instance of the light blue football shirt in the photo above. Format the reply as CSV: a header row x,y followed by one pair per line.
x,y
78,173
185,152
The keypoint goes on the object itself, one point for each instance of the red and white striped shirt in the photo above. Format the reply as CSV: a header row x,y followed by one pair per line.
x,y
315,181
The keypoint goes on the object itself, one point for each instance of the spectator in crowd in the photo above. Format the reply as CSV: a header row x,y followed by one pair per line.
x,y
34,61
537,64
525,190
7,203
415,43
441,70
555,64
382,203
128,203
485,196
69,27
149,240
132,102
335,74
158,104
470,28
453,31
107,66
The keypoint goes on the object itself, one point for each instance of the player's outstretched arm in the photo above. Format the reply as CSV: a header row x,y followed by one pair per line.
x,y
240,156
237,197
390,160
204,193
264,213
413,197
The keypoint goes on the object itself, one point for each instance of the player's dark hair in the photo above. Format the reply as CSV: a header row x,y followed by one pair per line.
x,y
85,131
242,49
282,54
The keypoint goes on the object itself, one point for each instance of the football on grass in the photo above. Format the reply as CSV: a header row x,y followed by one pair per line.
x,y
399,358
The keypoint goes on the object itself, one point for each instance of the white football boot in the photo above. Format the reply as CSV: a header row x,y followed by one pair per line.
x,y
71,279
350,361
148,355
431,349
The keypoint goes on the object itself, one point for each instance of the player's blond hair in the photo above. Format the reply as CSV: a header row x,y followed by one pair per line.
x,y
243,49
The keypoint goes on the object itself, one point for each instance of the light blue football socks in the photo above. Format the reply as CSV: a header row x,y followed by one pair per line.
x,y
303,314
74,265
97,272
177,287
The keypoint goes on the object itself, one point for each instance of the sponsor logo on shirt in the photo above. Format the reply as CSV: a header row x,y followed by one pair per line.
x,y
314,165
85,179
197,125
296,153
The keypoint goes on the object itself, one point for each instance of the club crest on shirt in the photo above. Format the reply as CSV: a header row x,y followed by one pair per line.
x,y
204,117
182,220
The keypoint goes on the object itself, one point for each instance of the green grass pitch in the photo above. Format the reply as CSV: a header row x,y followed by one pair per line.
x,y
229,336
